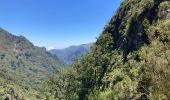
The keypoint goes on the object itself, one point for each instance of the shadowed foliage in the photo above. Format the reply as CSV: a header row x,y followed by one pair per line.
x,y
129,61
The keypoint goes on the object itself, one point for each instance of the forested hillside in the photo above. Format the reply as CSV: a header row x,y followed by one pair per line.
x,y
23,67
129,61
68,55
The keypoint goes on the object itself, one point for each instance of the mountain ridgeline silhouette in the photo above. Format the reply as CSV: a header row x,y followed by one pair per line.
x,y
70,54
24,65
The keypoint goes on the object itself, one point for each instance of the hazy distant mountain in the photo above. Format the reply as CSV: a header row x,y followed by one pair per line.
x,y
23,65
69,54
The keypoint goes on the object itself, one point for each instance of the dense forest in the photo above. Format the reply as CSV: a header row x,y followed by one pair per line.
x,y
24,67
129,61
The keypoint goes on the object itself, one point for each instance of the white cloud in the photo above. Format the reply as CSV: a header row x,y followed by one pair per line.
x,y
50,48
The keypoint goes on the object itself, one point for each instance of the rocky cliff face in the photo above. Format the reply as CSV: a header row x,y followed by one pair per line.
x,y
129,26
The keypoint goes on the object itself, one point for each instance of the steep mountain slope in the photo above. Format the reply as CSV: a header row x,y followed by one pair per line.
x,y
71,53
129,61
22,64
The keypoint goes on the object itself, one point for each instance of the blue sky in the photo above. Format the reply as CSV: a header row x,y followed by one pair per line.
x,y
57,23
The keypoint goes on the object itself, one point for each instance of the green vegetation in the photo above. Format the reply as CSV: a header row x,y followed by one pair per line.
x,y
23,67
129,61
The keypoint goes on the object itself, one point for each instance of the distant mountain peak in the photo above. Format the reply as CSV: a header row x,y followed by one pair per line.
x,y
68,55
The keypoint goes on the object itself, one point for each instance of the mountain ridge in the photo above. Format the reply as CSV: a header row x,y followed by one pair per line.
x,y
69,54
23,66
129,61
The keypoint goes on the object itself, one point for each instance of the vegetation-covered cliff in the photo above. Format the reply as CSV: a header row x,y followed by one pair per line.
x,y
23,67
129,61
